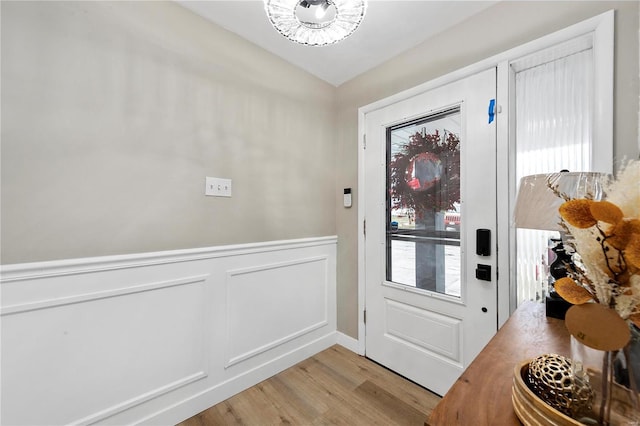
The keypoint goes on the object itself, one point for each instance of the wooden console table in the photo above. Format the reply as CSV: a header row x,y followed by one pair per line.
x,y
482,394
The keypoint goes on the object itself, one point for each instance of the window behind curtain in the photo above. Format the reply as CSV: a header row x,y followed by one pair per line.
x,y
554,110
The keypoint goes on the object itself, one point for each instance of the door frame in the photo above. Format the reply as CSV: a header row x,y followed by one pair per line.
x,y
602,28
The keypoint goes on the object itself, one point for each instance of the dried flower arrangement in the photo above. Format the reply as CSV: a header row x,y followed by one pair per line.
x,y
605,236
604,285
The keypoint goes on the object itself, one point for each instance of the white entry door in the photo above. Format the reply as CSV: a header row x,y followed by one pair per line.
x,y
430,230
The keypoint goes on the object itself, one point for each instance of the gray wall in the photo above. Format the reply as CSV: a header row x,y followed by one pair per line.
x,y
495,30
113,113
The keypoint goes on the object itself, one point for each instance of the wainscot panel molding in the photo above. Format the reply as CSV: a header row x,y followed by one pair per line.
x,y
156,338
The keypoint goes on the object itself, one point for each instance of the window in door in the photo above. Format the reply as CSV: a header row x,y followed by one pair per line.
x,y
423,203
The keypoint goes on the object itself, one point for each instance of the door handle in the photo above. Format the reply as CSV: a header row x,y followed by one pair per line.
x,y
483,242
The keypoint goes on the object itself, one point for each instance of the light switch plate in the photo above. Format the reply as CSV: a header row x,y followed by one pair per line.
x,y
217,187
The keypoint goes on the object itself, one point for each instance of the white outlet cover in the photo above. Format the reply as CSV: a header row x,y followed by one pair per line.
x,y
217,187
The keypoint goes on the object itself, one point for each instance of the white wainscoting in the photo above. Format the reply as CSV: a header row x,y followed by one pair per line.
x,y
156,338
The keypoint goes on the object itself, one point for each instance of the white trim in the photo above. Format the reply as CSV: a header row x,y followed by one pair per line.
x,y
512,296
230,361
602,26
603,76
204,399
361,237
348,342
506,303
262,349
55,268
88,297
118,408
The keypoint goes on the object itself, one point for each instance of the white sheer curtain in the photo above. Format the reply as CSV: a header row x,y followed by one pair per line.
x,y
553,132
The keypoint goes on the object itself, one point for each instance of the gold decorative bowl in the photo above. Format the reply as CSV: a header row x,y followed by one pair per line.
x,y
530,409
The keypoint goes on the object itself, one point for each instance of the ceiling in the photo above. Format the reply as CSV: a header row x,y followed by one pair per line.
x,y
388,29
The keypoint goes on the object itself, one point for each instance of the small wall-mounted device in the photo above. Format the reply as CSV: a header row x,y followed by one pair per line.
x,y
347,197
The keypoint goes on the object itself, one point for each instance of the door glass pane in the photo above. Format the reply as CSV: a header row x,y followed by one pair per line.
x,y
423,203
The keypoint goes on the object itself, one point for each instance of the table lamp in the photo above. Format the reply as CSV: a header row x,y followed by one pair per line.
x,y
537,208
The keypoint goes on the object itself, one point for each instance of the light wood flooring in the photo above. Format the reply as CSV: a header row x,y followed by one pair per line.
x,y
334,387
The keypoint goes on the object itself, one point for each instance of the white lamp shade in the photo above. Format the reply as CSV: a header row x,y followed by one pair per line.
x,y
537,204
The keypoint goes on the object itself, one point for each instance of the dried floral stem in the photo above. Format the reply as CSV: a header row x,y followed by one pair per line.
x,y
605,406
632,382
605,249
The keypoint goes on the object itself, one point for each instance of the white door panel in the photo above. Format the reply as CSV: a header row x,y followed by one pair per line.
x,y
427,314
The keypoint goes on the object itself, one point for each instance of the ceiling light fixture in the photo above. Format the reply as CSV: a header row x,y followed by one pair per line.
x,y
315,22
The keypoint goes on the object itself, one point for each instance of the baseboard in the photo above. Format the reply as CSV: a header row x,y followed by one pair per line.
x,y
199,402
216,394
348,342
